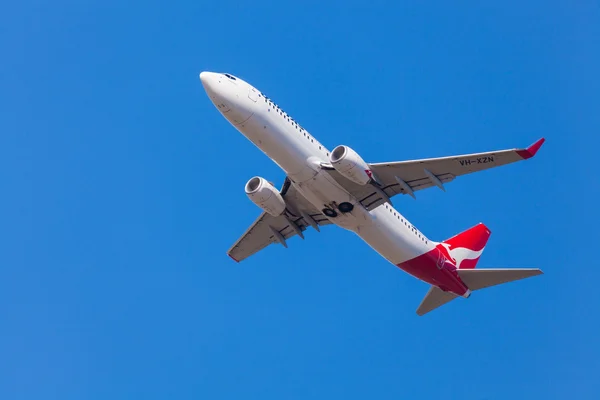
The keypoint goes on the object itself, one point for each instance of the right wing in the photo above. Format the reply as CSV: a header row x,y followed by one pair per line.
x,y
268,229
407,177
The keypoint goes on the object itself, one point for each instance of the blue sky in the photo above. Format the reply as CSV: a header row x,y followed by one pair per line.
x,y
123,189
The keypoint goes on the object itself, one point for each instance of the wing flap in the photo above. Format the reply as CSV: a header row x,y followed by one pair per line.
x,y
370,195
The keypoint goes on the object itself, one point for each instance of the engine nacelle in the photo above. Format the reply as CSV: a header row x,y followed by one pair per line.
x,y
350,165
264,195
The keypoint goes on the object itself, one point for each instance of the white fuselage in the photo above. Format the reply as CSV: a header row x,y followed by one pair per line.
x,y
300,155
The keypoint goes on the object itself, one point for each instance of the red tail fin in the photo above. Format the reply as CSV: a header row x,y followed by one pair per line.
x,y
465,248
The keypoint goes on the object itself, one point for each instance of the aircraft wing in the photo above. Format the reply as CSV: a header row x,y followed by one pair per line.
x,y
407,177
268,229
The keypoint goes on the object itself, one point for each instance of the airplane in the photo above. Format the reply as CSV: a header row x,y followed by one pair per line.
x,y
338,187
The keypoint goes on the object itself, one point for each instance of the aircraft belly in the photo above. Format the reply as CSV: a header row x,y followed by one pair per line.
x,y
324,192
276,143
386,237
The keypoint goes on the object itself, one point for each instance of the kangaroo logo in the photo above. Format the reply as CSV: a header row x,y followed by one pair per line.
x,y
460,254
441,259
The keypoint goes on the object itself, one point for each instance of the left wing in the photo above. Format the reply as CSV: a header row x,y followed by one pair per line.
x,y
407,177
299,215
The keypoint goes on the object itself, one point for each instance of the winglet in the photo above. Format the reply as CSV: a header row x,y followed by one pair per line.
x,y
531,150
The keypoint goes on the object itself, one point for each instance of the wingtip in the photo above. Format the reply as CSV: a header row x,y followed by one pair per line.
x,y
230,256
531,150
536,146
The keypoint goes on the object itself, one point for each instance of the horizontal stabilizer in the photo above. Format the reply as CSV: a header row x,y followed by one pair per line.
x,y
476,279
434,298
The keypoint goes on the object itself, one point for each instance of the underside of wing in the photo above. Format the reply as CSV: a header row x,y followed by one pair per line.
x,y
408,177
376,193
267,229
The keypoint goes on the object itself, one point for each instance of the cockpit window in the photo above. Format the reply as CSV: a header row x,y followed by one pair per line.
x,y
230,77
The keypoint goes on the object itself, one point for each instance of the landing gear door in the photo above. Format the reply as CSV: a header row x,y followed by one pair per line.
x,y
253,94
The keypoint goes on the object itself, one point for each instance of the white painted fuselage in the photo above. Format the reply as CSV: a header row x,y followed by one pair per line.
x,y
300,155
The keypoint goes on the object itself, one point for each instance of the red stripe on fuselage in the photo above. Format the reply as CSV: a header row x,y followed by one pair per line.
x,y
434,268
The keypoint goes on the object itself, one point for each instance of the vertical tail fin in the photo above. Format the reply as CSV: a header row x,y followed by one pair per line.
x,y
465,248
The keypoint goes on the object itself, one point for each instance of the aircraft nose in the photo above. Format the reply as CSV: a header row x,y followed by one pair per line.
x,y
228,95
209,80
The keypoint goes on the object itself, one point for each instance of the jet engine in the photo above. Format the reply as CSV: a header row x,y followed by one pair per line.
x,y
264,195
350,165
